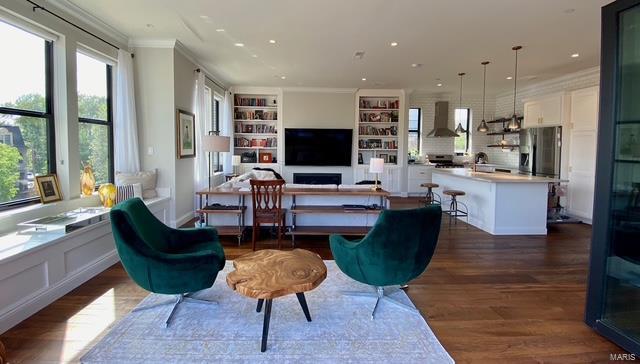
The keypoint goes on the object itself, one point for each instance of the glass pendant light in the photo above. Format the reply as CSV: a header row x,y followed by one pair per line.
x,y
459,128
483,128
514,124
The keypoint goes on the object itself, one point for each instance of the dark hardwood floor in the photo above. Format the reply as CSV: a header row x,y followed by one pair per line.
x,y
487,298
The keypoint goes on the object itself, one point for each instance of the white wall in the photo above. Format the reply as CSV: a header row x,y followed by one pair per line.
x,y
318,109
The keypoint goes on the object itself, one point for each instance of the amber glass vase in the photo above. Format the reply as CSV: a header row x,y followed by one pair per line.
x,y
108,192
87,181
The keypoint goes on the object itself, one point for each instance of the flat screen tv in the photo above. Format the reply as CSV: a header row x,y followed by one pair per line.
x,y
317,147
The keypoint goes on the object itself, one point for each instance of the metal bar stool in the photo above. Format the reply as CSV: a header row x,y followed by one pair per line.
x,y
454,207
431,197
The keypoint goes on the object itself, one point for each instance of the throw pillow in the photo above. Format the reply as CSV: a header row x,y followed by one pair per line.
x,y
126,192
146,178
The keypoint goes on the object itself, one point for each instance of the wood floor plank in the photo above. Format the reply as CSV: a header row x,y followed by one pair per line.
x,y
487,298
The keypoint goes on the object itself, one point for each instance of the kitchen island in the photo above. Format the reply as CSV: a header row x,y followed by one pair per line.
x,y
499,203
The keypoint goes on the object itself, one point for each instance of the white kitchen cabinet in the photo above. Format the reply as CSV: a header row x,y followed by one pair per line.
x,y
548,110
582,152
417,176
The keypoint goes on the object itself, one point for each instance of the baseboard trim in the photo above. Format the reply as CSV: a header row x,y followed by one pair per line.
x,y
183,219
47,296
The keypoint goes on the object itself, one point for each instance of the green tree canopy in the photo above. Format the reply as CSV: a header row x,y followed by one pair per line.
x,y
9,171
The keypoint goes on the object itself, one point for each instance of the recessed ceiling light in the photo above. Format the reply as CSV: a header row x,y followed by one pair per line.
x,y
239,44
149,25
439,85
283,77
509,78
219,30
575,55
272,41
394,44
254,55
416,65
364,79
204,17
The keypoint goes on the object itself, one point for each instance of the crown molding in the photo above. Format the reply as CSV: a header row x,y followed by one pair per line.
x,y
89,20
152,43
192,57
588,72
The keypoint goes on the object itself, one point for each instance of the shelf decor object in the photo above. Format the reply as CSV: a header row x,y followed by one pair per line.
x,y
376,165
214,143
514,123
108,193
49,188
87,181
185,134
255,126
483,128
459,128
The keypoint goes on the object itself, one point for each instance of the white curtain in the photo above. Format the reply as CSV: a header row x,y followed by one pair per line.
x,y
125,129
226,128
201,170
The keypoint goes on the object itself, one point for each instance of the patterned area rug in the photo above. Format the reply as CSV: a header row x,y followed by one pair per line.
x,y
341,330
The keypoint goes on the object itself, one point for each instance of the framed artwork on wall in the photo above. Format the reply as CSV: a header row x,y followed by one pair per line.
x,y
49,188
185,134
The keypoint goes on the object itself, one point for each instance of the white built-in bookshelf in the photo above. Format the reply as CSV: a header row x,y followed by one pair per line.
x,y
378,128
255,127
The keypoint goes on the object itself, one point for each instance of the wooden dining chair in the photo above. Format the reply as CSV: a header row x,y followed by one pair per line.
x,y
267,206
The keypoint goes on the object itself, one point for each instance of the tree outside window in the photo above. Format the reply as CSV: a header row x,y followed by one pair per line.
x,y
463,142
415,123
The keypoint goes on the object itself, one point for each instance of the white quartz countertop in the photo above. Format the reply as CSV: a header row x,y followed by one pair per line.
x,y
495,177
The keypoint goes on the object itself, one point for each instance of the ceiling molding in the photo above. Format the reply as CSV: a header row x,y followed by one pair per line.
x,y
192,57
152,43
89,20
321,90
588,72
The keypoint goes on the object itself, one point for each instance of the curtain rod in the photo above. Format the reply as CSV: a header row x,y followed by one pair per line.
x,y
212,80
39,7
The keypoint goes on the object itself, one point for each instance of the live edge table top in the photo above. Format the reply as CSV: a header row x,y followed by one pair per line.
x,y
299,191
268,274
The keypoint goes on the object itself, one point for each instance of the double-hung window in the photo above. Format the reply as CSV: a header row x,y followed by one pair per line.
x,y
463,141
415,117
95,116
27,145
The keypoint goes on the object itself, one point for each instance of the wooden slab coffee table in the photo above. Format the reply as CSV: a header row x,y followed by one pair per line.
x,y
269,274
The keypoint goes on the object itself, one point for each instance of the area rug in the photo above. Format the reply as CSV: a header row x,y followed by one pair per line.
x,y
341,331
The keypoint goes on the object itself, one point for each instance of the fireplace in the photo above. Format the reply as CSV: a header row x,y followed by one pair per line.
x,y
317,178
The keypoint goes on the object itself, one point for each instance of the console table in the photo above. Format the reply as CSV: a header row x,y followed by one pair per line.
x,y
208,196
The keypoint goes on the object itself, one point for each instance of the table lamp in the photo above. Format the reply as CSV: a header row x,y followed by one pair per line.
x,y
376,165
235,162
213,142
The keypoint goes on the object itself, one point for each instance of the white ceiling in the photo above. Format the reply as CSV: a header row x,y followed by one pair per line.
x,y
316,40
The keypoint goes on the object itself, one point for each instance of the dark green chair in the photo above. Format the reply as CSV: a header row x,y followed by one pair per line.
x,y
396,250
165,260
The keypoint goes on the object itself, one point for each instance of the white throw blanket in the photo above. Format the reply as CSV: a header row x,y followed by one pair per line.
x,y
242,181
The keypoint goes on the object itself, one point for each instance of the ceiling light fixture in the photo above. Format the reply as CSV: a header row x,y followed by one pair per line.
x,y
439,85
283,77
514,124
459,128
364,79
204,17
394,44
219,30
483,128
254,55
272,41
416,65
239,44
149,25
575,55
509,78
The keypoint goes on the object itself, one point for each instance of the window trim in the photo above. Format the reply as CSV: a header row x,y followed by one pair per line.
x,y
419,130
108,123
467,131
49,117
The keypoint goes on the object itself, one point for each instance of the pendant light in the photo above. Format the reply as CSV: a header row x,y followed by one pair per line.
x,y
483,128
514,124
459,128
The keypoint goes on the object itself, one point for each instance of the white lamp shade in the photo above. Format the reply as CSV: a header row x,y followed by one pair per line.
x,y
235,161
376,165
215,143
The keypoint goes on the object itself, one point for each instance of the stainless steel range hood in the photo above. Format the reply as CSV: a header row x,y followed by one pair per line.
x,y
441,124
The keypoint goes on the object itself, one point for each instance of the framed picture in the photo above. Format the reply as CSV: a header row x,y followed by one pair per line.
x,y
384,157
393,158
185,132
265,157
49,188
629,142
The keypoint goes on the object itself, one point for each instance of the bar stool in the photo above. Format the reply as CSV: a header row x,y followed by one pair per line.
x,y
430,198
454,206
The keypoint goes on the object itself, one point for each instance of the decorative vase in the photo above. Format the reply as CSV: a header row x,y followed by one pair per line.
x,y
108,192
87,181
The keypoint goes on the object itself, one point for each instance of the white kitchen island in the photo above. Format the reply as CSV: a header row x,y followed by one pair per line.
x,y
499,203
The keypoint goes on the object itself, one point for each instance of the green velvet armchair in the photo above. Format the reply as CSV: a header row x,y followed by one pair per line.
x,y
396,250
165,260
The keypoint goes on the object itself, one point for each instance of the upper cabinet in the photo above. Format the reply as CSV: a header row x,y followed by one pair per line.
x,y
584,109
547,110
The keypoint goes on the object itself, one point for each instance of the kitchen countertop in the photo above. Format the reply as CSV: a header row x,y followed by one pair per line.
x,y
495,177
421,165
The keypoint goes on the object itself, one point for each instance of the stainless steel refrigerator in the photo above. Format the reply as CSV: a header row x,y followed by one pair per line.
x,y
540,151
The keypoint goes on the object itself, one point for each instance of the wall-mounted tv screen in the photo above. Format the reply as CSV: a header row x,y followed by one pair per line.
x,y
317,147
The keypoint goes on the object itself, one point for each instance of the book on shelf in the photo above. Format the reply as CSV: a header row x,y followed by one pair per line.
x,y
255,115
253,101
377,144
379,104
255,128
365,130
379,117
255,142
